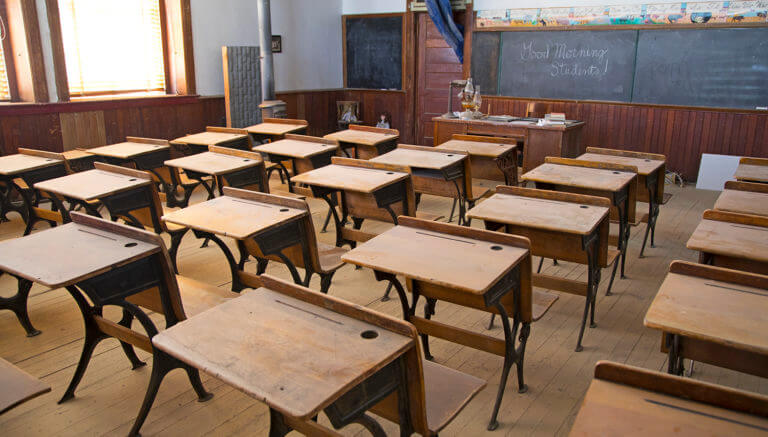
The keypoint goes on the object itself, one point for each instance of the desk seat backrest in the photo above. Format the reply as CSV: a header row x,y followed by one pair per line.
x,y
754,187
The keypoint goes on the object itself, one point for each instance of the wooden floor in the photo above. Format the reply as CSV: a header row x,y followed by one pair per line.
x,y
110,394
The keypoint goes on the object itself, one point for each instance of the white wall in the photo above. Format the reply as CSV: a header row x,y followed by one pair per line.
x,y
373,6
45,38
311,33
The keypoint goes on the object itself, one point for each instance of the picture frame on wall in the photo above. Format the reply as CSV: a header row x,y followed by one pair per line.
x,y
277,44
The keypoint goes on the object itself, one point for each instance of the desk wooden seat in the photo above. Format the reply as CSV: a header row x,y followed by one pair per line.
x,y
304,153
712,315
365,141
732,240
273,129
492,158
744,198
18,386
625,400
752,170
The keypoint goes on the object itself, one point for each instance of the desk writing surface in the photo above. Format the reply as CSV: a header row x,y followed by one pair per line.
x,y
745,202
419,159
644,166
582,177
342,177
452,261
209,138
730,239
212,163
232,217
751,172
477,148
91,184
69,253
76,154
18,386
715,311
275,128
295,148
14,164
127,149
294,356
551,215
612,409
363,137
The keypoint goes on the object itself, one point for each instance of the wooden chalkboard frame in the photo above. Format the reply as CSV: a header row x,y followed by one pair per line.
x,y
402,48
617,27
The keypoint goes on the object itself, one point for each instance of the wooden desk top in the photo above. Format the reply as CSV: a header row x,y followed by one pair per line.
x,y
730,239
69,253
212,163
447,260
644,166
551,215
127,149
91,184
419,158
209,138
615,409
275,128
76,154
18,386
751,172
295,148
745,202
573,124
342,177
583,177
362,137
716,311
294,356
11,165
233,217
477,148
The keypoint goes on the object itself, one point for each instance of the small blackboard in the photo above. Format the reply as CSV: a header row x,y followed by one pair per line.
x,y
373,51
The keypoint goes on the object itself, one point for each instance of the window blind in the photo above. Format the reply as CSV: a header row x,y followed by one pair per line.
x,y
112,46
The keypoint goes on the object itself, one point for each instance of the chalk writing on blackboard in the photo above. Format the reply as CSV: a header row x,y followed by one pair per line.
x,y
567,60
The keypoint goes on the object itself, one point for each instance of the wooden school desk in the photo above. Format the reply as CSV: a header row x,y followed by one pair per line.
x,y
145,154
625,400
651,170
18,386
713,315
436,260
366,141
354,360
752,170
613,181
198,143
368,191
79,160
563,226
273,129
236,216
305,153
731,240
744,198
491,158
237,167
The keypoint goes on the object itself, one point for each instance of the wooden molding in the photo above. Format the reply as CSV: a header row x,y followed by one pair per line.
x,y
178,47
26,50
57,46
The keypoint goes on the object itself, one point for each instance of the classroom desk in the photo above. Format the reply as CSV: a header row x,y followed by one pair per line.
x,y
272,227
274,129
618,186
739,246
18,386
752,170
299,357
650,175
712,315
199,142
114,190
473,268
744,202
492,161
562,226
304,155
80,160
366,193
624,400
435,173
217,165
367,142
29,169
130,151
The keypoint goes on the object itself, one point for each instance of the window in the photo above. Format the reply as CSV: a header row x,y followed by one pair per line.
x,y
5,91
112,46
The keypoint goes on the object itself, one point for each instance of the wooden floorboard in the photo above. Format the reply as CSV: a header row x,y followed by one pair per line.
x,y
111,393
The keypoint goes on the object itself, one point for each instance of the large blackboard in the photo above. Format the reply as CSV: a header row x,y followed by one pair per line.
x,y
374,52
725,67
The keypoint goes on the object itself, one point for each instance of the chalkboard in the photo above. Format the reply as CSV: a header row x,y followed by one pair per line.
x,y
703,67
374,52
723,67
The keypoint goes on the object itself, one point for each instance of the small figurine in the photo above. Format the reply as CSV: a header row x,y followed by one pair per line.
x,y
383,121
